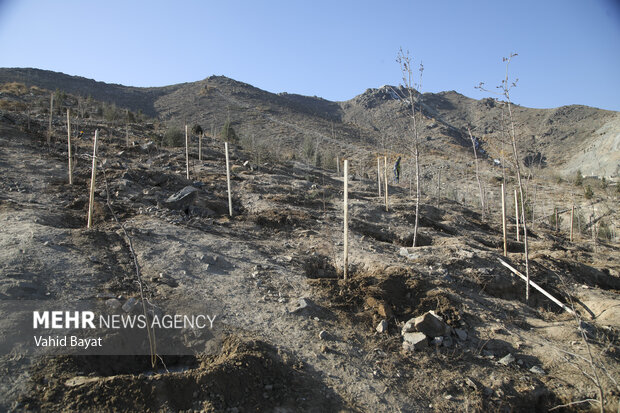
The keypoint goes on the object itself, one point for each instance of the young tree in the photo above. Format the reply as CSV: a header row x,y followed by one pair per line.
x,y
505,89
475,146
404,60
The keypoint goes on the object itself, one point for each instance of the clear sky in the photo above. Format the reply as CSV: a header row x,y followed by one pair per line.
x,y
569,50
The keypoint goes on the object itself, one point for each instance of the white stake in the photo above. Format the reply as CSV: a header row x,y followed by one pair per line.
x,y
572,217
69,146
230,211
517,214
346,218
533,284
386,183
186,153
49,128
91,201
504,221
379,175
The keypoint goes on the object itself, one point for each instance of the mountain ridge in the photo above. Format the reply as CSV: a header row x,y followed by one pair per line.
x,y
371,122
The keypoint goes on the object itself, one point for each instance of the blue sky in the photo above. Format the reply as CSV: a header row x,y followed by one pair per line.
x,y
569,50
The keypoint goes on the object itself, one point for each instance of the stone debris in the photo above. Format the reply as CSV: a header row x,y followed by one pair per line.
x,y
414,341
430,324
507,359
183,199
382,327
461,334
537,370
113,304
130,304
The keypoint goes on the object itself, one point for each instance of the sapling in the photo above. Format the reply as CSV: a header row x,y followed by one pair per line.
x,y
505,89
404,60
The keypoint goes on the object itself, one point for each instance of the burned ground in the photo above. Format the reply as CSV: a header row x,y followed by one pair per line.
x,y
296,336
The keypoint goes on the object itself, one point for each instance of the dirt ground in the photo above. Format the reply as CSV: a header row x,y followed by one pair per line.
x,y
294,335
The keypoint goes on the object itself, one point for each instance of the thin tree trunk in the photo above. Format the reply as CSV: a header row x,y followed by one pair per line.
x,y
525,241
473,143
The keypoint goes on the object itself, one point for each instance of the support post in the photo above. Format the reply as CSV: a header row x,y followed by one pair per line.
x,y
438,186
346,218
504,221
127,128
337,165
91,202
200,146
572,218
386,183
230,209
49,128
69,147
379,175
533,284
517,215
187,153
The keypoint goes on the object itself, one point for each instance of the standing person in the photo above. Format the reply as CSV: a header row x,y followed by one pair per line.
x,y
397,170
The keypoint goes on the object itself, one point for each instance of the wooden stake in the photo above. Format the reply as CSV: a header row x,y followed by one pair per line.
x,y
346,218
69,146
533,284
230,211
438,187
386,183
49,128
338,165
504,221
517,215
187,153
572,217
91,202
200,146
379,175
127,128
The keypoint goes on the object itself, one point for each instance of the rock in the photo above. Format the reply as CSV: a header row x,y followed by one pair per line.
x,y
472,383
461,334
506,360
382,327
147,147
323,335
236,169
417,341
447,342
408,327
130,304
437,341
405,253
307,307
537,370
430,324
113,304
183,199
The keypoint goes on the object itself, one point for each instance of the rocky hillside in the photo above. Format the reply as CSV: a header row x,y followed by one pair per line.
x,y
567,139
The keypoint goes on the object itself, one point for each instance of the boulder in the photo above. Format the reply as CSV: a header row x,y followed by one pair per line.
x,y
414,341
183,199
430,324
